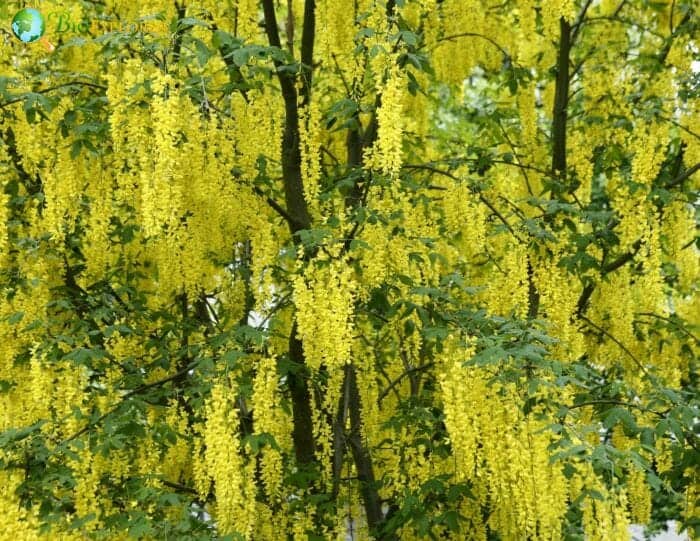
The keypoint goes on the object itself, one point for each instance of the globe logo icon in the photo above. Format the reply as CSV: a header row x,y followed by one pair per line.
x,y
28,25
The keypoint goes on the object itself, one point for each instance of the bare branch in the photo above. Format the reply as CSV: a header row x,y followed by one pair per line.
x,y
620,344
475,35
404,374
683,176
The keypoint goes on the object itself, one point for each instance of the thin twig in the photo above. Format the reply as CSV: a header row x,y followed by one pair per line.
x,y
579,21
482,197
620,344
407,372
614,403
50,89
683,176
679,125
669,320
515,155
476,35
274,204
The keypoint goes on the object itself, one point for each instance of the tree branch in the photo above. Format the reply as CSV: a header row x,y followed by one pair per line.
x,y
22,97
582,303
307,50
676,325
297,208
453,37
579,20
146,386
275,205
614,403
404,374
290,26
363,460
482,197
683,176
620,344
561,98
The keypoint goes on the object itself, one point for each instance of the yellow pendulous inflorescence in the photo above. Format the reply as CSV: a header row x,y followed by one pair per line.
x,y
147,168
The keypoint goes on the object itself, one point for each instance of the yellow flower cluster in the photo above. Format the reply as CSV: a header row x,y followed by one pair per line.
x,y
559,304
226,466
690,120
67,394
529,42
128,348
374,267
633,209
25,402
387,154
337,18
97,250
177,461
639,497
677,232
605,516
60,174
324,298
201,478
129,126
458,50
87,474
310,146
321,411
494,445
579,159
528,117
162,188
692,495
612,306
649,287
4,211
465,220
18,523
505,279
267,236
463,427
650,144
131,11
247,14
40,380
270,419
258,125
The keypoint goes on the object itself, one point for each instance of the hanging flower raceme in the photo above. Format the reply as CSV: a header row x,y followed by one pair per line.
x,y
225,464
324,300
387,154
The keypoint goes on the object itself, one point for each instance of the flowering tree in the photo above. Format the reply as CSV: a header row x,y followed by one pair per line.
x,y
406,269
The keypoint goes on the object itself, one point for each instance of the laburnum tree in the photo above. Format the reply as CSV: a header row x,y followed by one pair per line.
x,y
369,269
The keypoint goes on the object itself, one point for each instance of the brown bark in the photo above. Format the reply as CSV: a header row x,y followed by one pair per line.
x,y
561,102
299,218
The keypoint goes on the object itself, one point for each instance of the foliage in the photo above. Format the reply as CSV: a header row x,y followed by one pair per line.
x,y
424,269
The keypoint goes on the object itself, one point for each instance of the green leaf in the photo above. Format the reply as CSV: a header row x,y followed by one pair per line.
x,y
13,435
256,442
408,37
435,333
140,528
241,56
451,519
15,318
189,22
